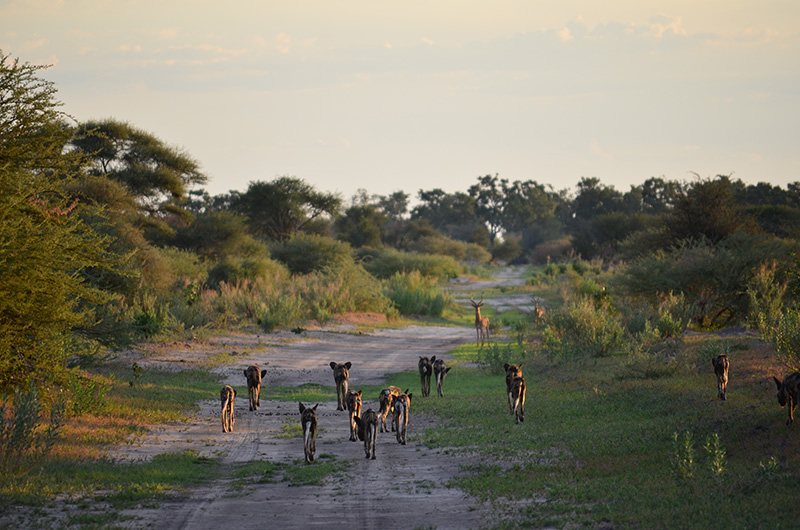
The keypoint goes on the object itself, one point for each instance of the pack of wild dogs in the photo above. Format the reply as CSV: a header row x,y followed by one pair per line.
x,y
364,425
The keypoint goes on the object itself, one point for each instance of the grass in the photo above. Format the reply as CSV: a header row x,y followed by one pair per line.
x,y
595,444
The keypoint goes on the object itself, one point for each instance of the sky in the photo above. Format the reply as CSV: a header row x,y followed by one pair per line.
x,y
416,95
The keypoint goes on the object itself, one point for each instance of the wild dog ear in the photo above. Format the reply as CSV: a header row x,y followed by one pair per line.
x,y
315,407
409,396
302,407
235,393
447,369
348,364
333,365
263,373
245,373
433,359
359,393
778,382
506,366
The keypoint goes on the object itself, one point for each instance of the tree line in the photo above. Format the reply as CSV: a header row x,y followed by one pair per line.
x,y
99,219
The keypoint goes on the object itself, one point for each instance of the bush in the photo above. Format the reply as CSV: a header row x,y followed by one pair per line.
x,y
493,358
234,269
385,263
306,253
582,329
415,294
23,440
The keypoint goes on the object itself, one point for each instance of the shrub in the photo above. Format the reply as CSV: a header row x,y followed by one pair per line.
x,y
23,440
415,294
582,329
385,263
234,269
493,358
306,253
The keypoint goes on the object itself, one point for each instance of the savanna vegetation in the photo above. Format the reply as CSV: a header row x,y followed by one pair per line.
x,y
107,238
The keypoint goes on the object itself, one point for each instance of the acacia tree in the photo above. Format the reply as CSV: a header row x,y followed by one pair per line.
x,y
157,176
278,209
45,244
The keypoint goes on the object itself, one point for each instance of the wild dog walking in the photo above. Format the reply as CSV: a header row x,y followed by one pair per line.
x,y
440,371
341,375
721,364
354,408
788,392
308,420
368,431
226,397
518,398
512,371
425,371
402,408
481,323
386,401
254,376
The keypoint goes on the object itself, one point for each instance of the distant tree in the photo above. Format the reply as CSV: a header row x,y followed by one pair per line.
x,y
594,198
278,209
490,201
707,208
658,195
452,214
361,225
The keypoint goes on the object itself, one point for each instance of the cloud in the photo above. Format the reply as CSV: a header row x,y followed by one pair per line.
x,y
565,35
282,42
168,33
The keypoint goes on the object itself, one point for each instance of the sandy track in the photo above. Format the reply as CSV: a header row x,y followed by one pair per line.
x,y
406,487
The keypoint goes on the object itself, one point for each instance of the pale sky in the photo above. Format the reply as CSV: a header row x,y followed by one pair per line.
x,y
414,95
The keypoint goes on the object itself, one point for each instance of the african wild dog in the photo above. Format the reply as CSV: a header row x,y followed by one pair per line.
x,y
518,398
721,364
440,371
368,431
254,376
512,371
789,392
308,420
425,371
226,397
481,323
354,408
386,401
402,409
341,376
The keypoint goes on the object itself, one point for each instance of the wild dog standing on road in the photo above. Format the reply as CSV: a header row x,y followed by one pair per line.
x,y
386,401
341,376
788,392
440,371
226,397
308,420
518,398
368,431
354,408
254,376
721,365
512,371
425,371
402,408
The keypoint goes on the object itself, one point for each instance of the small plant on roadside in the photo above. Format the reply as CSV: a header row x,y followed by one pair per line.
x,y
23,439
716,454
683,455
493,358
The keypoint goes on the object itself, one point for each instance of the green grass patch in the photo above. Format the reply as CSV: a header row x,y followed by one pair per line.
x,y
593,445
298,473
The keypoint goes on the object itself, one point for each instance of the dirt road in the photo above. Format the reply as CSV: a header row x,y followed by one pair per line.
x,y
405,487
